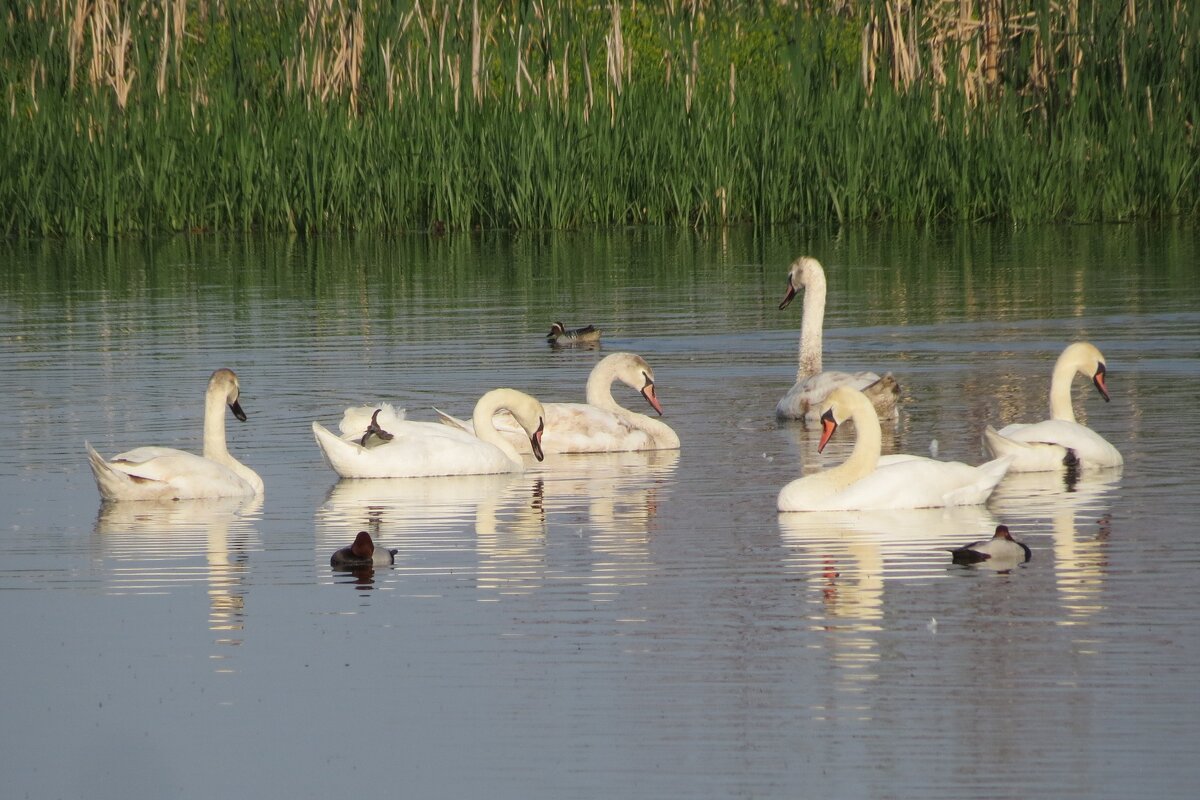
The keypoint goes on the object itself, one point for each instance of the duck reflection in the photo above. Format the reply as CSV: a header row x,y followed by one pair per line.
x,y
1077,507
155,545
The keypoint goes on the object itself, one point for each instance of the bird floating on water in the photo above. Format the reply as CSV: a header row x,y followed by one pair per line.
x,y
560,335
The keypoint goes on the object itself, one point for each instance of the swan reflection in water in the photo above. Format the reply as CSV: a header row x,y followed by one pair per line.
x,y
847,557
428,521
606,504
155,546
1077,506
494,527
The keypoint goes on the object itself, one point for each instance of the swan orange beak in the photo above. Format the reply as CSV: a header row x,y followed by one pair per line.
x,y
790,296
828,426
236,408
535,441
651,397
1098,379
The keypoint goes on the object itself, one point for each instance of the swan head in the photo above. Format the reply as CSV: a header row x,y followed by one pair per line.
x,y
224,383
1088,362
526,410
633,371
839,407
801,273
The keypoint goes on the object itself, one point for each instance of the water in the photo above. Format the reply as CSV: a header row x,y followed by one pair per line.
x,y
643,624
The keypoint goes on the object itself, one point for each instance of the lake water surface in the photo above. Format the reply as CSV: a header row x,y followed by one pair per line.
x,y
600,626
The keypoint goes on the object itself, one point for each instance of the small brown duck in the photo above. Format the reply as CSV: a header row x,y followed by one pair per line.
x,y
363,553
1001,548
561,336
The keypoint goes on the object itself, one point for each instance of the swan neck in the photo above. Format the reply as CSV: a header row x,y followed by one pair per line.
x,y
864,457
1060,390
485,428
215,447
811,327
599,387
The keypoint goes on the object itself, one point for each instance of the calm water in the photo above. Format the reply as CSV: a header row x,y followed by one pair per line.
x,y
612,626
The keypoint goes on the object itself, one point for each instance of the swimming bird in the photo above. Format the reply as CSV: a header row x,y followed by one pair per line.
x,y
813,385
1059,441
1000,549
560,335
165,473
363,553
601,424
426,449
866,481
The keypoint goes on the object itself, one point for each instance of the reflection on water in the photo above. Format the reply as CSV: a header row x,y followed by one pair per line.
x,y
154,547
493,528
647,620
1077,507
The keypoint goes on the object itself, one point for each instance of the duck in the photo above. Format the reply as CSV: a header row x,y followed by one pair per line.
x,y
165,473
427,449
868,482
363,553
814,385
601,425
561,335
1002,548
1059,442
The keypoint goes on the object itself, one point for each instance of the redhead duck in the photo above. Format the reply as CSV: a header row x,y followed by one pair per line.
x,y
363,553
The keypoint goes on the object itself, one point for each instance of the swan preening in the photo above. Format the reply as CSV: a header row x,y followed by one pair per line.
x,y
1000,551
1059,441
867,482
807,397
400,448
601,425
164,473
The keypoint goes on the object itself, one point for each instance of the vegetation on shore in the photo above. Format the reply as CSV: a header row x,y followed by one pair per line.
x,y
164,115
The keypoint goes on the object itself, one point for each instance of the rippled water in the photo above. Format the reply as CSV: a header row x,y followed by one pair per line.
x,y
602,626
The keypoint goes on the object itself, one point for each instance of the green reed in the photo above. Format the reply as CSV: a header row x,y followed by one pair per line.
x,y
149,117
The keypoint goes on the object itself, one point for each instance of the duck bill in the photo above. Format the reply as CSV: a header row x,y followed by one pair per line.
x,y
236,408
790,296
828,426
651,397
1098,379
535,441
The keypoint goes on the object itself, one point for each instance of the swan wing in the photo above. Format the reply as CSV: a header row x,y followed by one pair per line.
x,y
805,399
1042,446
418,449
164,473
902,482
356,419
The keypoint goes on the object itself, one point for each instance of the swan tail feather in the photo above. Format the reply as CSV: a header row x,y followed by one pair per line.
x,y
452,421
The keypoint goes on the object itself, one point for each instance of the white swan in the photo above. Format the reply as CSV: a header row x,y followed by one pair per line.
x,y
807,397
164,473
409,449
867,482
1059,441
601,425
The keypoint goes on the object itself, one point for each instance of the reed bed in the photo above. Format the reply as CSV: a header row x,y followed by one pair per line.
x,y
166,115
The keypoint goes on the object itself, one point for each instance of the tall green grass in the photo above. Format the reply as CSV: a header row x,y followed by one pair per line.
x,y
379,116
